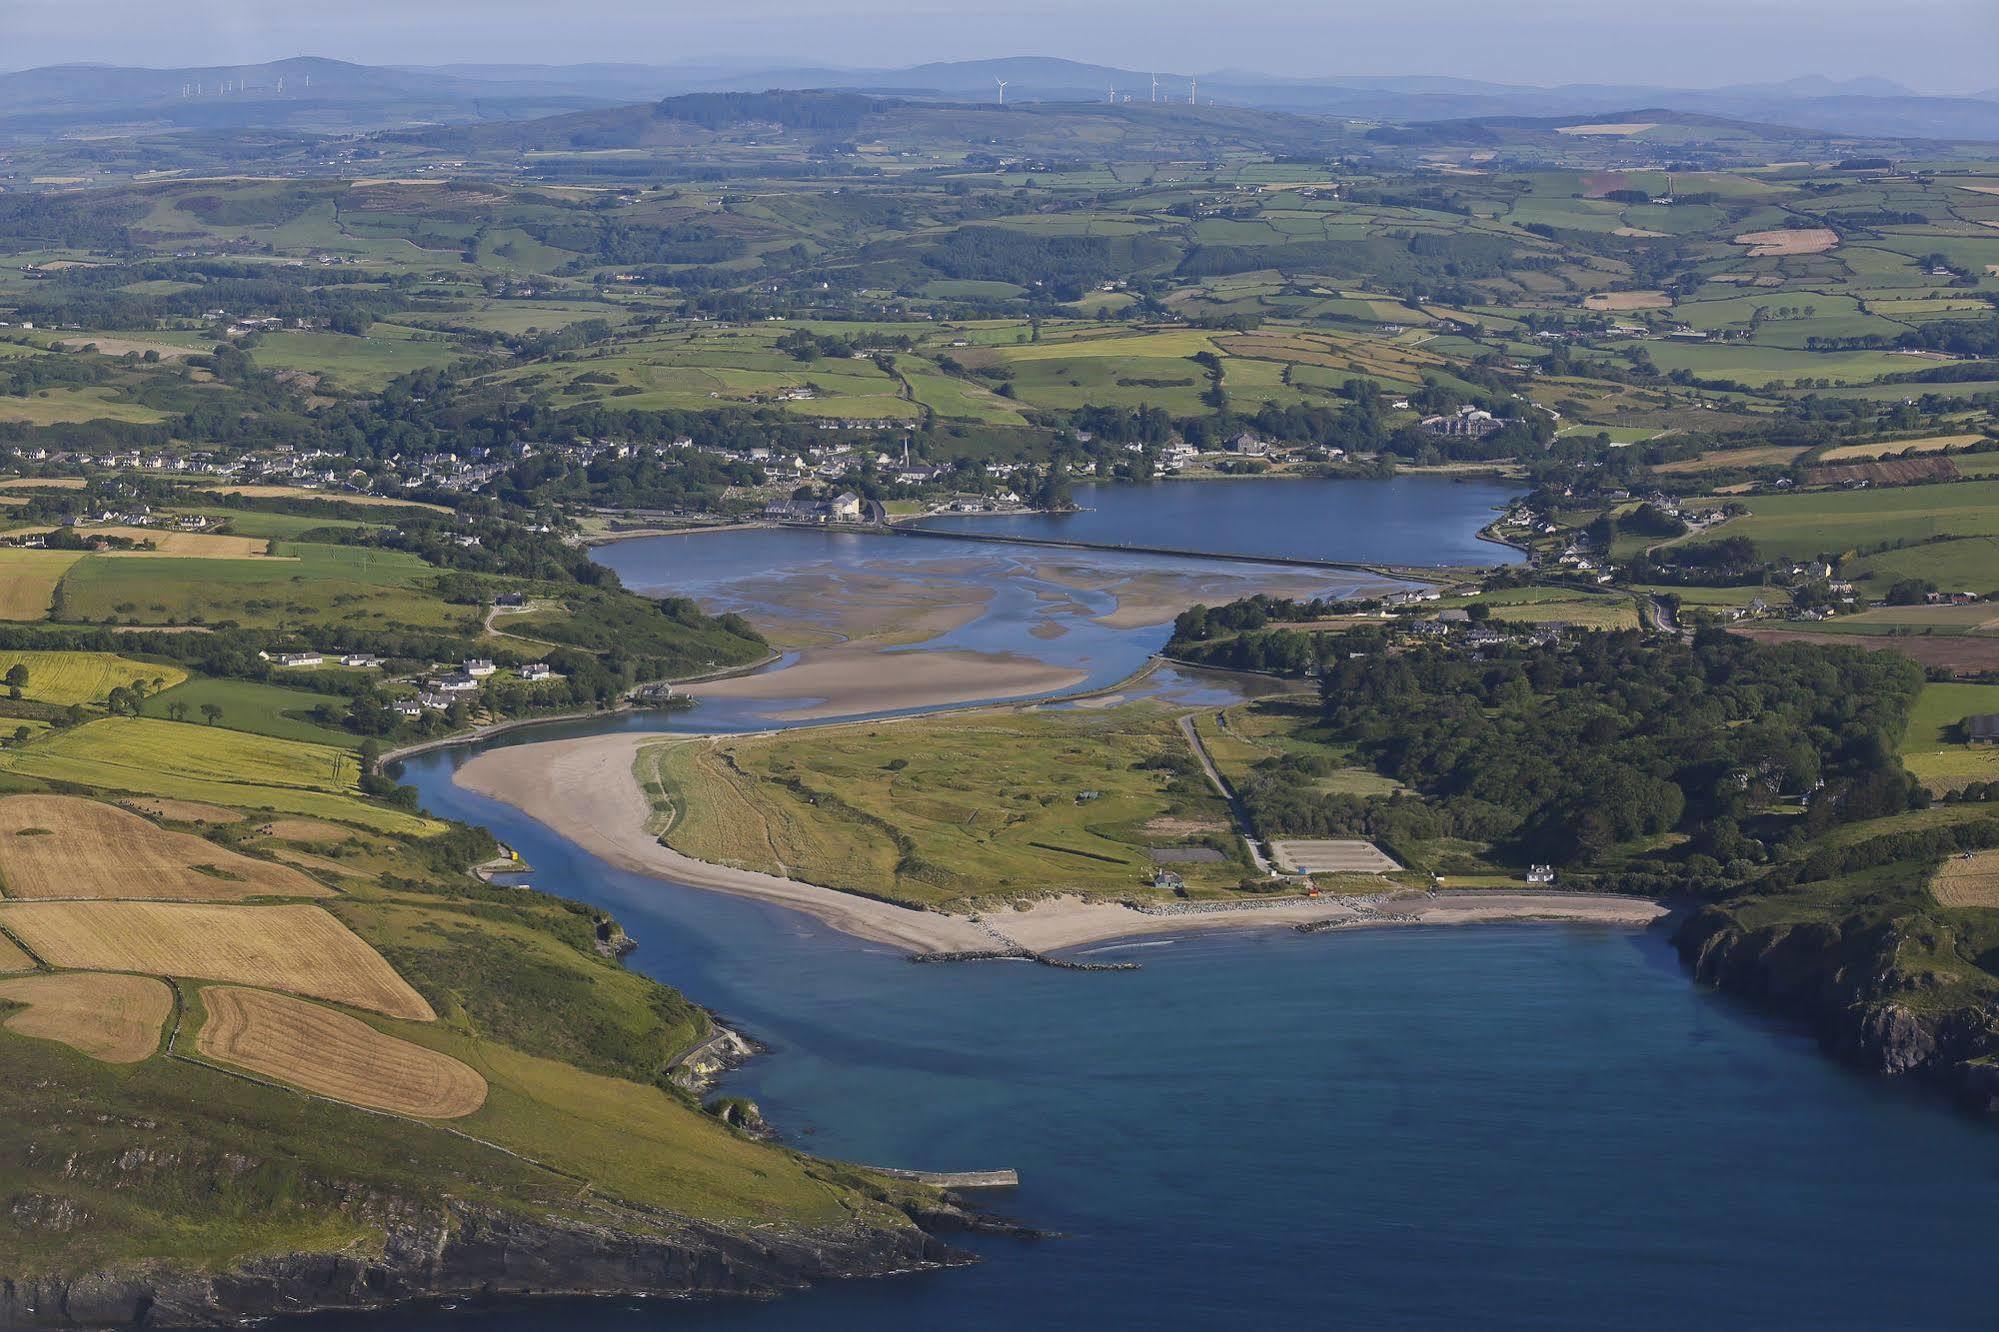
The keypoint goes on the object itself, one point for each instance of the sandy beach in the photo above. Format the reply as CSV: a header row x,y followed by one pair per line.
x,y
583,788
856,679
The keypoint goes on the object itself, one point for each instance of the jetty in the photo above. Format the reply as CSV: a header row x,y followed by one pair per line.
x,y
956,1179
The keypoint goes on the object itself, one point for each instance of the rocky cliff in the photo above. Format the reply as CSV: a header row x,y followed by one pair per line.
x,y
1850,982
452,1249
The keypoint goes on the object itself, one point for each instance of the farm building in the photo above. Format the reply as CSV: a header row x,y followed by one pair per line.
x,y
1982,729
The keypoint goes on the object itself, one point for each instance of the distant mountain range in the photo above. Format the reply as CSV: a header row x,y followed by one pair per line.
x,y
308,93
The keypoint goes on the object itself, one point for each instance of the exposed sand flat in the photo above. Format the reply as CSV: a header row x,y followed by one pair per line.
x,y
584,789
852,681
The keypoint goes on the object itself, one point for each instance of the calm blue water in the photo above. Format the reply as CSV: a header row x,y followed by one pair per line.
x,y
1413,520
1506,1126
1518,1126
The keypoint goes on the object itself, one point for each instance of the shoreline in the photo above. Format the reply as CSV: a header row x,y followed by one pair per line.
x,y
583,789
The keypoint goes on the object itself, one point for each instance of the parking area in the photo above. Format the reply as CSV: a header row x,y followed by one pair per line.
x,y
1329,857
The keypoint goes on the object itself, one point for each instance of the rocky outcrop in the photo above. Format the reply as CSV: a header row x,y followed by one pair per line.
x,y
1844,979
462,1250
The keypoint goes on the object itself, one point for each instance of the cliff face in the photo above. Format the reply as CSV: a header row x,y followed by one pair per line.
x,y
457,1250
1846,980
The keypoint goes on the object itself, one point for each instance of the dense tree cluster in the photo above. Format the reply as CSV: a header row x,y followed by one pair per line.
x,y
1562,753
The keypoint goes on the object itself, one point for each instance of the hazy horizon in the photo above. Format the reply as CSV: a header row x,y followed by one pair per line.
x,y
1931,46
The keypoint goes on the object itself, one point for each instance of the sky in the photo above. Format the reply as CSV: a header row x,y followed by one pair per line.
x,y
1929,45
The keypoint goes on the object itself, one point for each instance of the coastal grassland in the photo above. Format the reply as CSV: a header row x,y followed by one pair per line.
x,y
1800,526
110,1017
28,581
296,948
524,970
986,806
211,765
332,1054
63,678
1242,735
58,846
1934,747
228,1170
250,705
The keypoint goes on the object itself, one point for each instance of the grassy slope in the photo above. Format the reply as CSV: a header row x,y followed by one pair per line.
x,y
172,1160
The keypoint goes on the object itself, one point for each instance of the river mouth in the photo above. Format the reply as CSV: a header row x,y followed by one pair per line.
x,y
1515,1126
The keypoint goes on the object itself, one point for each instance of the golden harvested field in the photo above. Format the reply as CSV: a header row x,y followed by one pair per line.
x,y
55,847
300,492
304,830
43,483
299,949
1968,881
113,1018
1786,240
28,581
1757,455
1627,300
63,678
183,811
332,1054
1932,444
184,545
12,959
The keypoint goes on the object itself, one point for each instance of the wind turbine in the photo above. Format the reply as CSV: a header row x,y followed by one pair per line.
x,y
1113,94
1155,87
1002,87
1193,92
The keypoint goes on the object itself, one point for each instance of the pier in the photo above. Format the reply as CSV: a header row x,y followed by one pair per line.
x,y
956,1179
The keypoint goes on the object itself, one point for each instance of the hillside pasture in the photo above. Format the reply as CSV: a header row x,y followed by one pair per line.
x,y
58,846
334,1055
1799,526
209,765
298,949
1893,447
116,1019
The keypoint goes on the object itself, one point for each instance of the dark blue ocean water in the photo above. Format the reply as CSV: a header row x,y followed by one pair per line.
x,y
1411,520
1494,1126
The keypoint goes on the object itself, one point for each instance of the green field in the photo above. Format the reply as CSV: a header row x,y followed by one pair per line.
x,y
209,764
1932,748
261,709
301,584
1801,526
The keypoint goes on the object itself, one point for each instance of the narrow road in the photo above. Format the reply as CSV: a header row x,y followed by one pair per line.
x,y
1227,792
